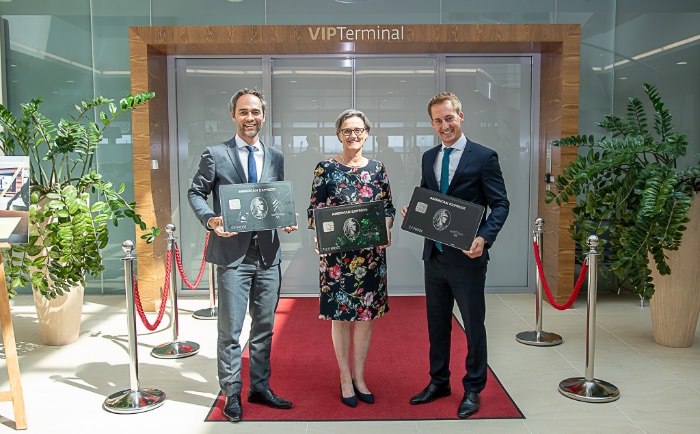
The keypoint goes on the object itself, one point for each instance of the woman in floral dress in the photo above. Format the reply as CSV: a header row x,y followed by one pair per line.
x,y
353,283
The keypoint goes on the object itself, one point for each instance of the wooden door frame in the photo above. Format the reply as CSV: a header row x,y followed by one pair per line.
x,y
557,44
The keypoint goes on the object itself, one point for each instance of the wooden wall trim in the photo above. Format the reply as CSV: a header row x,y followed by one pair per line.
x,y
559,45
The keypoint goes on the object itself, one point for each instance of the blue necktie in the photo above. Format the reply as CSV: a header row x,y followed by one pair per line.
x,y
444,179
252,172
252,169
445,173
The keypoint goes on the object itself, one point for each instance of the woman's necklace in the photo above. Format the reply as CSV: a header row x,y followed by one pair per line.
x,y
349,164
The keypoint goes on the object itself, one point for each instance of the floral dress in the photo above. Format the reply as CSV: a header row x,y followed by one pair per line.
x,y
353,283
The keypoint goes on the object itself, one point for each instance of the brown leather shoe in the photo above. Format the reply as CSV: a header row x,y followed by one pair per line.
x,y
431,393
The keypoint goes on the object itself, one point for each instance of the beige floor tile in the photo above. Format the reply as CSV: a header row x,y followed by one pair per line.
x,y
65,387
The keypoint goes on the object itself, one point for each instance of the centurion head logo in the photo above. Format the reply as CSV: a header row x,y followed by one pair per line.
x,y
441,219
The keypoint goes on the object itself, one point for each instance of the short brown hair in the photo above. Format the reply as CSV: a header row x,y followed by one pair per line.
x,y
443,97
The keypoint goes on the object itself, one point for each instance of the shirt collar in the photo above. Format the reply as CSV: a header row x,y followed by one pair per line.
x,y
459,144
241,144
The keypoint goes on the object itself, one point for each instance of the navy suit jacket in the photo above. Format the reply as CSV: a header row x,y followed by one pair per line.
x,y
477,179
220,165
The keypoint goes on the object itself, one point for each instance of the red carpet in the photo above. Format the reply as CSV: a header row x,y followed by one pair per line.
x,y
305,372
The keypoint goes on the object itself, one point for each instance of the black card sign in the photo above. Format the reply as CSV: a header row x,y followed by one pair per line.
x,y
350,227
257,207
443,218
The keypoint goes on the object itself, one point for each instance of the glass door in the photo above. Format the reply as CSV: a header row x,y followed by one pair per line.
x,y
305,95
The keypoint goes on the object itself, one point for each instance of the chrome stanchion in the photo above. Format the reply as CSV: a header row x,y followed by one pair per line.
x,y
537,337
587,388
212,311
176,349
135,399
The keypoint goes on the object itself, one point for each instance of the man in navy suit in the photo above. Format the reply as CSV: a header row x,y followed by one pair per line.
x,y
248,264
467,170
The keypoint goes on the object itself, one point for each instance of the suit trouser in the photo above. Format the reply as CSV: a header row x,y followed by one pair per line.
x,y
248,284
446,284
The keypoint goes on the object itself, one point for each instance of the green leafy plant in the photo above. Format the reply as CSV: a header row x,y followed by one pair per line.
x,y
70,204
630,190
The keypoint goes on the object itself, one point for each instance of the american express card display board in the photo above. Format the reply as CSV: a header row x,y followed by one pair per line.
x,y
257,207
350,227
442,218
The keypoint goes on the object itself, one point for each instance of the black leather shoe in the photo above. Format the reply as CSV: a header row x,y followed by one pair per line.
x,y
364,397
431,393
350,401
469,405
232,408
268,398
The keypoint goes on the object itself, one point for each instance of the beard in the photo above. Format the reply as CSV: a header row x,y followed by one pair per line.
x,y
244,132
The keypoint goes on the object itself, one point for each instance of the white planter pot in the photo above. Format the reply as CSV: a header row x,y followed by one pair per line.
x,y
675,305
60,318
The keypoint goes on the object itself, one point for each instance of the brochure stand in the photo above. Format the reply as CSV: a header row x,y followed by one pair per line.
x,y
8,338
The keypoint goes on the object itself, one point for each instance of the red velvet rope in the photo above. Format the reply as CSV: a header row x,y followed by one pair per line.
x,y
577,287
166,290
178,260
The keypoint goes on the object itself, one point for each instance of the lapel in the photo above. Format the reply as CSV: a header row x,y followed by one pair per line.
x,y
265,174
431,181
232,150
462,165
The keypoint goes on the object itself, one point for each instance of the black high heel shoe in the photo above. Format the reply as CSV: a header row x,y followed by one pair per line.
x,y
364,397
350,401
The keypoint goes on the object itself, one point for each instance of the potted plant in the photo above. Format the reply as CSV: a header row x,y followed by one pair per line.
x,y
633,194
70,204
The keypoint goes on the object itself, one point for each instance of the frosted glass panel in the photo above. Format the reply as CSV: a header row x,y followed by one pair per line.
x,y
496,100
204,88
306,94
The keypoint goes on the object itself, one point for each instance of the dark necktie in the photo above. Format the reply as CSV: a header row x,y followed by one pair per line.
x,y
445,173
252,170
444,179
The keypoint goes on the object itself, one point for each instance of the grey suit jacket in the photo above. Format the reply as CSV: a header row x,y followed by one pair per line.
x,y
220,165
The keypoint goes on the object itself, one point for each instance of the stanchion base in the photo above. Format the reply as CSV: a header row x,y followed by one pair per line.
x,y
539,339
175,350
134,401
595,390
208,313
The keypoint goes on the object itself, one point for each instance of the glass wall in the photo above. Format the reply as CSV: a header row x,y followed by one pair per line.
x,y
72,50
306,94
203,88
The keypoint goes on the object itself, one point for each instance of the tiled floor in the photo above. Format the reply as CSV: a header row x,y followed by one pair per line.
x,y
65,387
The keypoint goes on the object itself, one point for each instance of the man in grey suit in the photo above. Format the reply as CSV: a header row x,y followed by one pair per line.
x,y
248,263
464,169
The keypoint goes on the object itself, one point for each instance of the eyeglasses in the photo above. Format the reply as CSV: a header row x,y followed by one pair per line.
x,y
357,131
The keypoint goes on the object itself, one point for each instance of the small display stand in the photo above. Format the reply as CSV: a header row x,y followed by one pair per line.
x,y
8,338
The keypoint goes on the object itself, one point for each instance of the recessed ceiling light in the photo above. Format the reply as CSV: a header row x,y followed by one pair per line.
x,y
682,63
